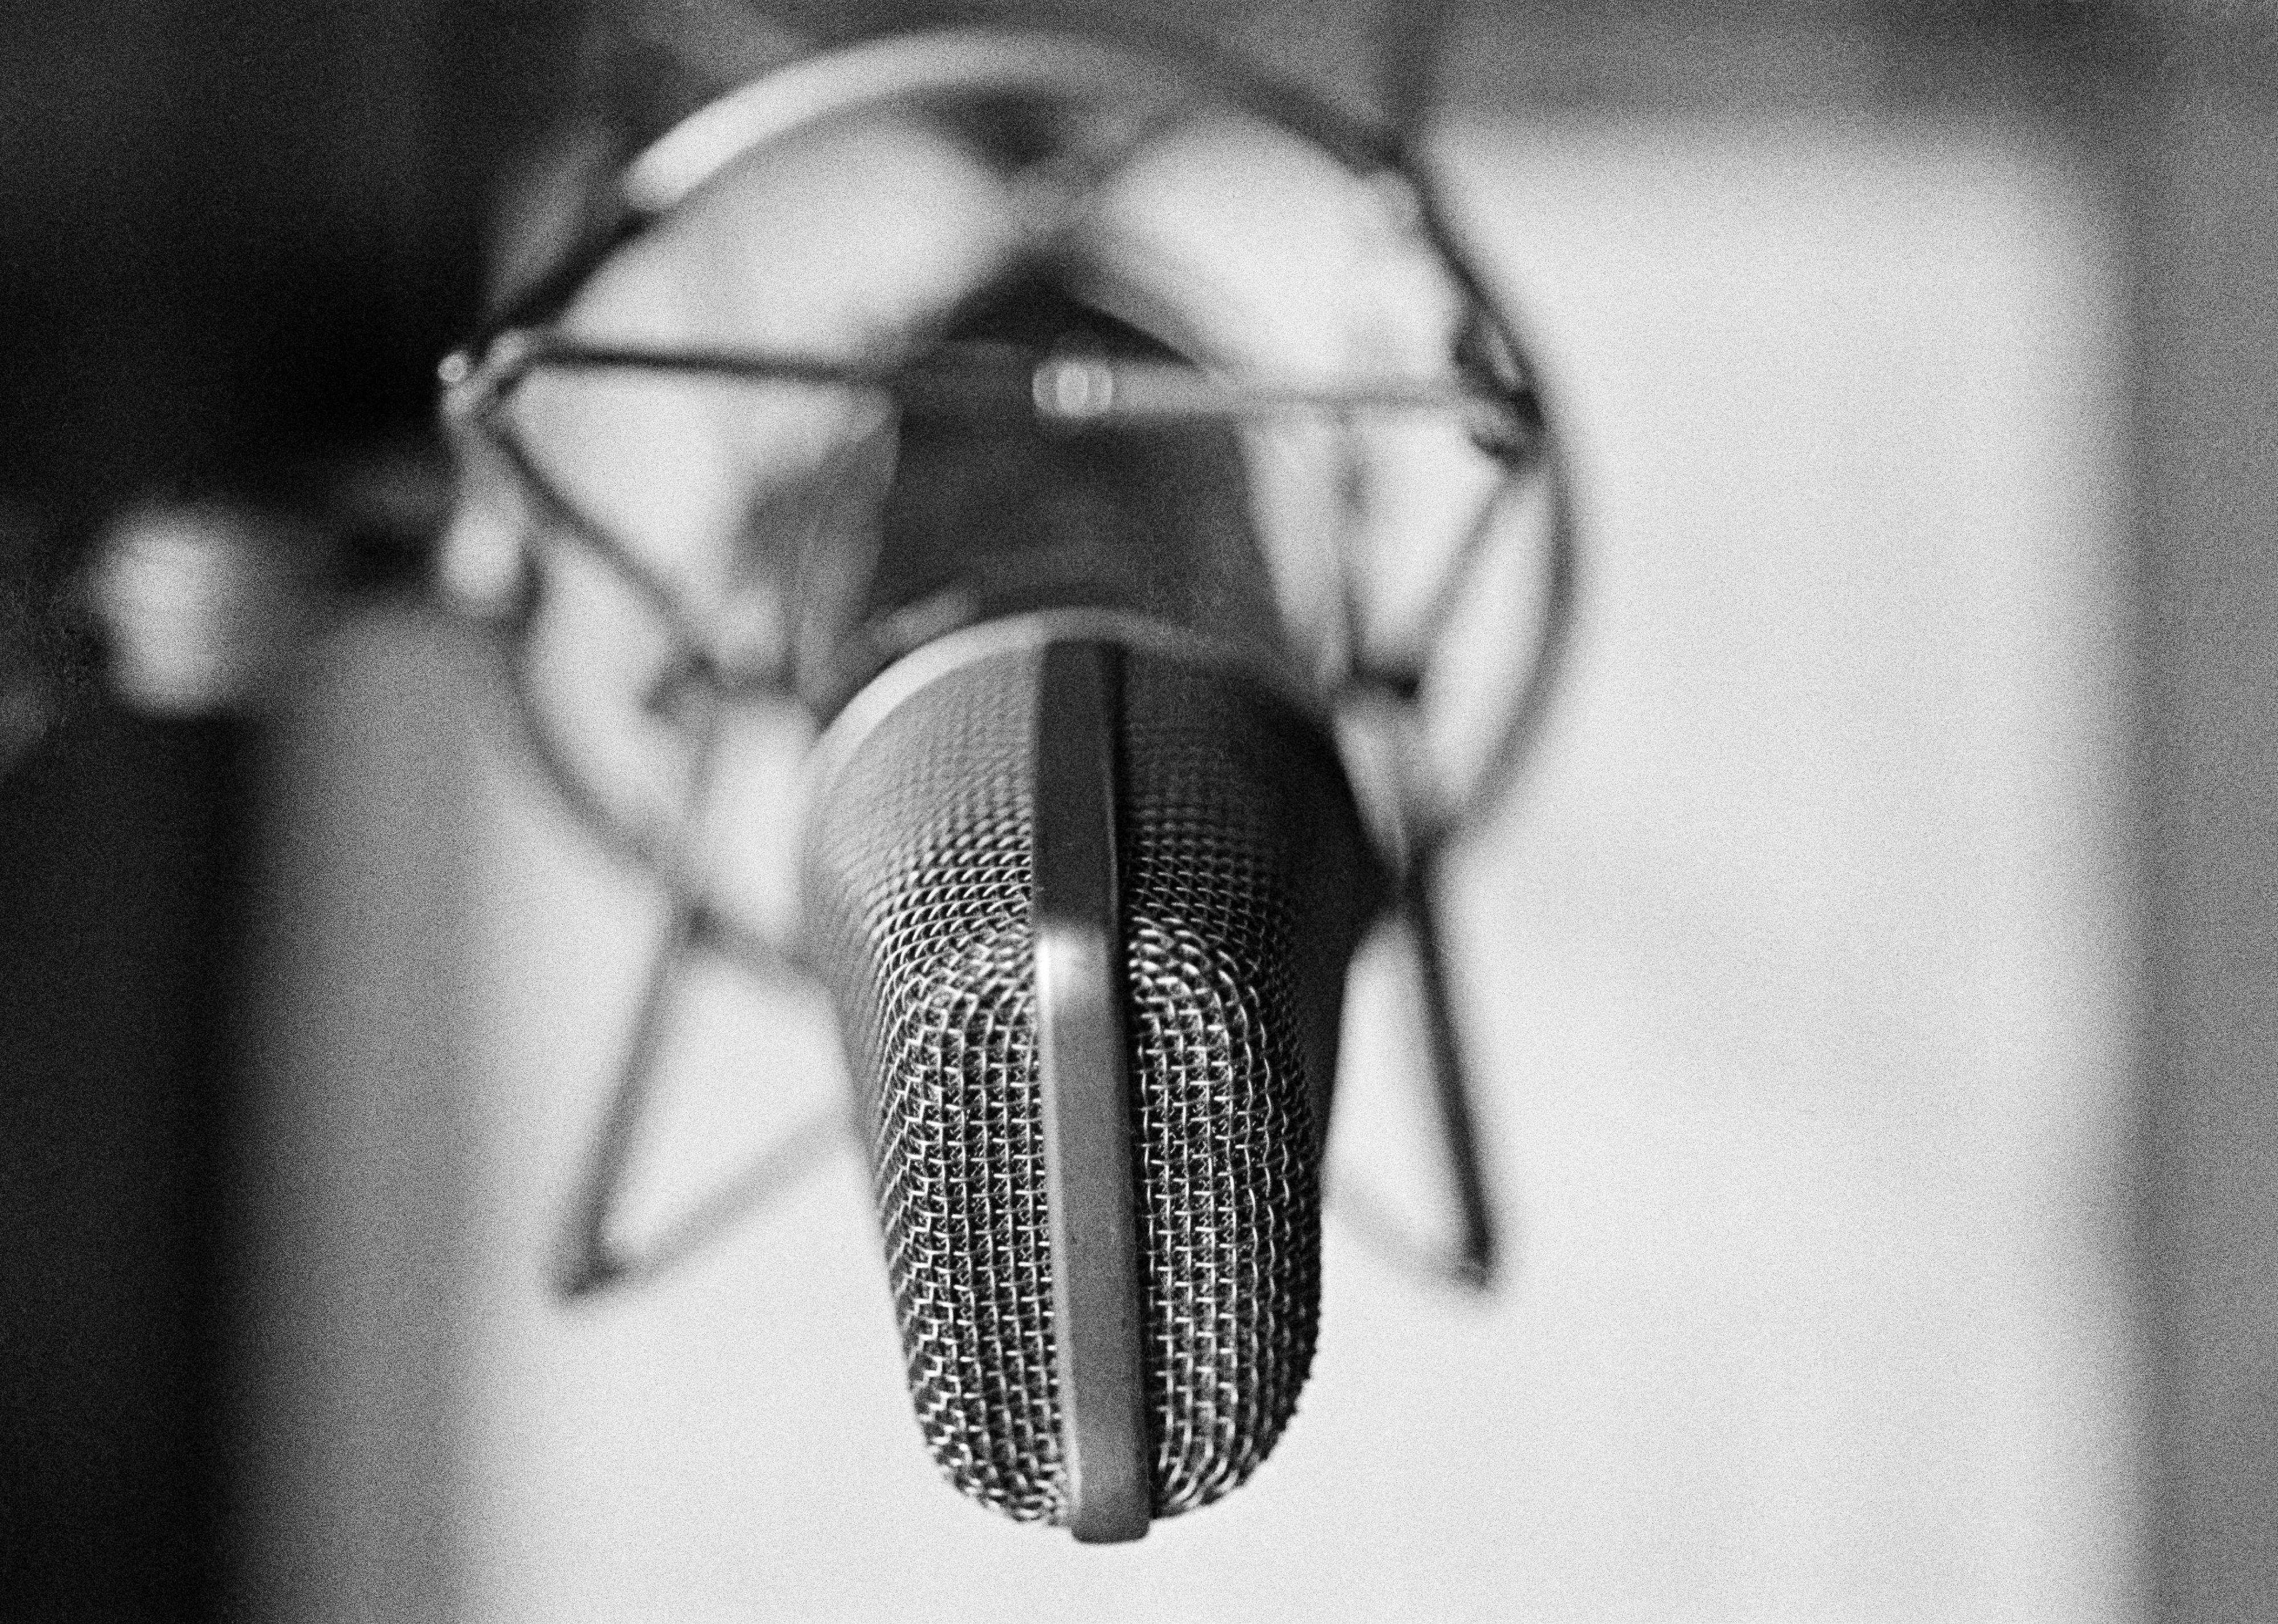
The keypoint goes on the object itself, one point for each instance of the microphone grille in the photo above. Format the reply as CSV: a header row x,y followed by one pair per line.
x,y
1246,882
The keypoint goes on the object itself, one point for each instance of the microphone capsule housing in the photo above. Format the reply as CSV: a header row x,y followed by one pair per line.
x,y
1244,881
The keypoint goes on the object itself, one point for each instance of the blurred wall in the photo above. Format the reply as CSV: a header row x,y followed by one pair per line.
x,y
1802,976
1799,982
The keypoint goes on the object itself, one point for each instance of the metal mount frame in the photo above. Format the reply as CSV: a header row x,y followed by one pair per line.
x,y
1496,391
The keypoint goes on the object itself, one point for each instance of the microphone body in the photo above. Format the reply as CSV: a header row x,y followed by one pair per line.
x,y
992,514
1099,1186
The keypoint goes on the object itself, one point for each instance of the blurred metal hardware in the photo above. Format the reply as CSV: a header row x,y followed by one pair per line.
x,y
201,604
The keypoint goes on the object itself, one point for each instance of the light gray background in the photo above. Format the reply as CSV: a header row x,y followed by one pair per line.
x,y
1797,979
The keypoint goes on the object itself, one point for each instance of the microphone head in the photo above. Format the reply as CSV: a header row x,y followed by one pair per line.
x,y
1244,881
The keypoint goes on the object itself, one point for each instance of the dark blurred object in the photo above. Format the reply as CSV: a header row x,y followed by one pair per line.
x,y
116,930
236,237
47,646
203,606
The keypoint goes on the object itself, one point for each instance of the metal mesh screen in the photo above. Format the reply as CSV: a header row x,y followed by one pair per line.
x,y
1246,884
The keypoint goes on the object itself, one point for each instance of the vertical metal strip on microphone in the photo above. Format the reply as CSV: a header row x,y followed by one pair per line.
x,y
1097,1307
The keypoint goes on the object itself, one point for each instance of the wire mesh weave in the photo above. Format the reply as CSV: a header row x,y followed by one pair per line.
x,y
1246,882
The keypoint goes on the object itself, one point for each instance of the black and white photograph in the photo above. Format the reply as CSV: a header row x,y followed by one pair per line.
x,y
1020,810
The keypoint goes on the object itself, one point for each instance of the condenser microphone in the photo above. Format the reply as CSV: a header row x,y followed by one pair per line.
x,y
1079,532
1084,876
